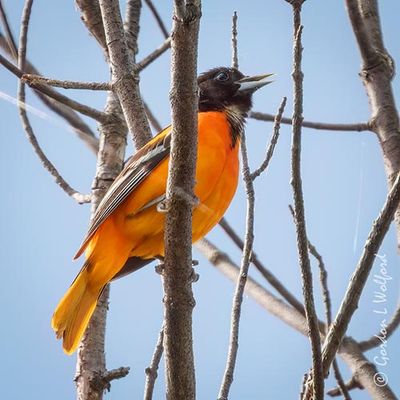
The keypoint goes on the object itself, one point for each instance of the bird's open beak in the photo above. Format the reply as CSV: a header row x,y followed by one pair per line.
x,y
253,83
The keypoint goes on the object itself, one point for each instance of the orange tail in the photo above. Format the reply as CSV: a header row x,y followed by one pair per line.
x,y
73,312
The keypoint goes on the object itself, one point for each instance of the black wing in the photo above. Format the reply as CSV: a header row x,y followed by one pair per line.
x,y
136,169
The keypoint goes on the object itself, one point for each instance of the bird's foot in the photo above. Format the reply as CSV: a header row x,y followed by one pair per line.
x,y
162,207
165,205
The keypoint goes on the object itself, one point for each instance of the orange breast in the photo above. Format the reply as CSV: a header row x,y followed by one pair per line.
x,y
216,182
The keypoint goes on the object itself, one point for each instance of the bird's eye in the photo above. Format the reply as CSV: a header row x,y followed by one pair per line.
x,y
222,77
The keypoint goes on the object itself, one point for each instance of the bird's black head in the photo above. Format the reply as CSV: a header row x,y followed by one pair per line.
x,y
228,90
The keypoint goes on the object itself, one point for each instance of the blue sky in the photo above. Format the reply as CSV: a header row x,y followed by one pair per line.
x,y
344,188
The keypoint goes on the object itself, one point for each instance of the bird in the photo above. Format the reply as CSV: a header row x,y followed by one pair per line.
x,y
127,229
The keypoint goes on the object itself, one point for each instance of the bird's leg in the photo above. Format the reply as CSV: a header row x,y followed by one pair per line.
x,y
160,267
163,206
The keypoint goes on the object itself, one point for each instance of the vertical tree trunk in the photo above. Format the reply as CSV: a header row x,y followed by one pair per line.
x,y
178,273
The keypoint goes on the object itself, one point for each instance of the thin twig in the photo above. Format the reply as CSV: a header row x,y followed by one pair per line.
x,y
349,351
141,65
91,112
32,79
302,242
7,29
75,105
241,282
10,66
350,385
158,18
359,127
391,327
112,375
161,49
273,142
125,81
223,262
323,277
235,61
152,118
266,273
339,379
151,371
360,275
80,198
81,128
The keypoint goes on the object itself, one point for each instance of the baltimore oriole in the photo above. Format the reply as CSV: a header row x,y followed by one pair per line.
x,y
127,231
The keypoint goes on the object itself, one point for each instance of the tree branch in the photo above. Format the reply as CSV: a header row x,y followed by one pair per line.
x,y
91,362
152,118
32,79
114,374
365,371
262,296
241,282
141,65
360,276
178,272
367,48
302,241
91,359
349,351
75,105
377,73
323,277
91,365
235,62
158,18
80,198
273,142
131,25
151,371
12,47
91,17
82,130
246,251
125,83
350,385
266,273
391,327
359,127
